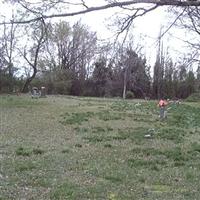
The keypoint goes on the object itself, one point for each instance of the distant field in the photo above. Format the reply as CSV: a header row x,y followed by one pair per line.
x,y
63,147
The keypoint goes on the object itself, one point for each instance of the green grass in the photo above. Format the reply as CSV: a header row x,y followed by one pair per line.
x,y
19,102
171,133
64,191
81,117
64,147
76,118
113,179
24,166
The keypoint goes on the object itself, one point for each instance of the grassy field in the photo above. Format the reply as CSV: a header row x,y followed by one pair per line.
x,y
74,148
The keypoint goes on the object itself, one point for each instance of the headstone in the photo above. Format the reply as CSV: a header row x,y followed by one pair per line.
x,y
35,92
43,92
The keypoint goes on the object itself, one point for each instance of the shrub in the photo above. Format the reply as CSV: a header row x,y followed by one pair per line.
x,y
62,87
193,97
130,95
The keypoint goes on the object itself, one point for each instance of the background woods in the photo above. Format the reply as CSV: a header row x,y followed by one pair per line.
x,y
69,58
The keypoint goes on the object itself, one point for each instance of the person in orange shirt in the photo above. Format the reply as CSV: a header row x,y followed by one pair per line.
x,y
162,105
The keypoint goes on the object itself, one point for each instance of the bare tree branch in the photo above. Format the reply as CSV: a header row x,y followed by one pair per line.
x,y
121,4
84,4
190,13
172,23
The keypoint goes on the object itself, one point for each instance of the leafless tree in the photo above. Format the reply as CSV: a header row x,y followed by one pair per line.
x,y
39,37
190,22
9,40
71,48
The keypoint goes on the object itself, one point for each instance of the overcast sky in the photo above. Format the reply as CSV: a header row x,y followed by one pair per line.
x,y
146,27
146,30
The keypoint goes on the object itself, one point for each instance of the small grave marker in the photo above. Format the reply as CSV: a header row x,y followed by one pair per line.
x,y
35,93
43,92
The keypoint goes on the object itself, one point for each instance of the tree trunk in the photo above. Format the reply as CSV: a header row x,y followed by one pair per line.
x,y
125,83
28,81
10,73
34,65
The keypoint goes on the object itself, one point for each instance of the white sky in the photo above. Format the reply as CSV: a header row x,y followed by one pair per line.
x,y
147,27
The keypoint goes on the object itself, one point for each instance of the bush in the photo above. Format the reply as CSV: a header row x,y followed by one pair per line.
x,y
130,95
194,97
37,83
62,87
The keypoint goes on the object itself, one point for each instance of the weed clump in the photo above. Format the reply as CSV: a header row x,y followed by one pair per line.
x,y
184,116
108,146
195,97
175,154
21,151
113,179
78,145
107,116
65,151
38,151
94,139
170,133
98,129
195,147
76,118
64,191
136,135
24,166
146,163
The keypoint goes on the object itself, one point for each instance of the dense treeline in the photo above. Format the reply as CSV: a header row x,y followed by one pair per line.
x,y
68,60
